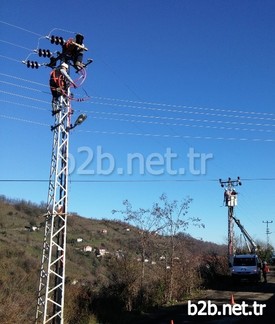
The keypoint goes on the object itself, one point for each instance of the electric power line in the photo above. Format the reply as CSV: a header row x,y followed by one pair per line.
x,y
16,45
18,27
221,138
184,125
170,108
156,117
252,113
151,134
133,180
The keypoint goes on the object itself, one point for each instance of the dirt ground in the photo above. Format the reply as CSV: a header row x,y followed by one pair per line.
x,y
245,302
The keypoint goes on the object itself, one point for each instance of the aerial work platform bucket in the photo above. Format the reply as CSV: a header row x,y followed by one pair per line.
x,y
230,198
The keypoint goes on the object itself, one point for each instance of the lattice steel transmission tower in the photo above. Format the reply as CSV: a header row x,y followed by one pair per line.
x,y
50,301
230,201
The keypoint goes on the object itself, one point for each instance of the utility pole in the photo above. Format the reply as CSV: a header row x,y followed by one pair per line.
x,y
267,232
230,201
50,301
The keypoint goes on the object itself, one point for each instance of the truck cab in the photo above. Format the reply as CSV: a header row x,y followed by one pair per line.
x,y
246,267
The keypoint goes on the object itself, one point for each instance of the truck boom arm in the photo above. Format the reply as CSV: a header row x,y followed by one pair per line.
x,y
246,235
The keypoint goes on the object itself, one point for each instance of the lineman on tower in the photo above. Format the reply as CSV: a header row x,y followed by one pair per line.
x,y
59,84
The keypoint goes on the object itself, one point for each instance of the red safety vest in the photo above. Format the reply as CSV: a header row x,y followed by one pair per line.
x,y
57,80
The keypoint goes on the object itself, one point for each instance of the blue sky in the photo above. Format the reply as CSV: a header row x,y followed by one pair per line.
x,y
168,76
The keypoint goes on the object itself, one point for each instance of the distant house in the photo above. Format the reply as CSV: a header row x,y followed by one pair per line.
x,y
140,260
32,228
100,252
79,240
87,248
104,231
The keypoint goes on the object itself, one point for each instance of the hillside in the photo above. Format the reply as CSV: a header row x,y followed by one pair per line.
x,y
100,254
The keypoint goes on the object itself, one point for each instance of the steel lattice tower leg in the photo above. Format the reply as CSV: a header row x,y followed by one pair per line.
x,y
50,303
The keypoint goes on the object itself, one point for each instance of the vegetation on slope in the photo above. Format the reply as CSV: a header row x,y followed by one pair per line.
x,y
115,279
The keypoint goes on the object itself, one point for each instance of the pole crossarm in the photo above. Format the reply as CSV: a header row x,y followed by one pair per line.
x,y
229,184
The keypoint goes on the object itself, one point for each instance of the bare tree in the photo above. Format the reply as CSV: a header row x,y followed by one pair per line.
x,y
168,218
173,215
148,223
